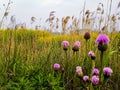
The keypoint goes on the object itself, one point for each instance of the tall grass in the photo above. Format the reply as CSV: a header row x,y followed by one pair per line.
x,y
27,58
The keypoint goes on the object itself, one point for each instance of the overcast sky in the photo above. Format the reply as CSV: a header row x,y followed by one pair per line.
x,y
25,9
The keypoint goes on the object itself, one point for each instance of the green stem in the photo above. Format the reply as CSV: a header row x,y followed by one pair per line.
x,y
101,61
93,66
65,60
84,62
91,87
86,48
66,66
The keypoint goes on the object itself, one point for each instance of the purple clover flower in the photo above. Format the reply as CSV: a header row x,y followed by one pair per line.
x,y
95,80
65,45
56,66
76,46
86,78
102,39
79,71
107,71
91,53
95,71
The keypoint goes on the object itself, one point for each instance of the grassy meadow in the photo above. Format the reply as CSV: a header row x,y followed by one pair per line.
x,y
80,52
27,59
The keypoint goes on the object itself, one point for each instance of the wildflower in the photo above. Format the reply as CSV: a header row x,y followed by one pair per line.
x,y
102,41
107,72
76,46
92,55
95,71
65,45
86,78
79,71
87,35
95,80
56,66
62,69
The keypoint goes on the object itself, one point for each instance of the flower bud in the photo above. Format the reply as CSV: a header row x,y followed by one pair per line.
x,y
62,69
87,35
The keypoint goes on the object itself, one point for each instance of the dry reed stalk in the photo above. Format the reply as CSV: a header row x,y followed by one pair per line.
x,y
83,14
5,13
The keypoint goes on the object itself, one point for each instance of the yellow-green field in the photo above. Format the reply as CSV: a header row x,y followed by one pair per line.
x,y
27,58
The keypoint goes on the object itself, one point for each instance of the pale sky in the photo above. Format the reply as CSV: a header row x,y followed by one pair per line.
x,y
25,9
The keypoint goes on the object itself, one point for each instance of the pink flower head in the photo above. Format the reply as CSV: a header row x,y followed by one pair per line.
x,y
107,71
77,44
56,66
62,69
86,78
65,43
95,80
91,53
79,71
95,71
87,33
102,39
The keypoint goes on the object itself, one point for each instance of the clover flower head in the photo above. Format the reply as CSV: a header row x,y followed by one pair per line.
x,y
76,46
102,39
91,53
65,43
107,71
79,71
56,66
95,71
86,78
95,80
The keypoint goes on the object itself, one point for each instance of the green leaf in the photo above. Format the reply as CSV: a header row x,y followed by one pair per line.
x,y
14,68
106,60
